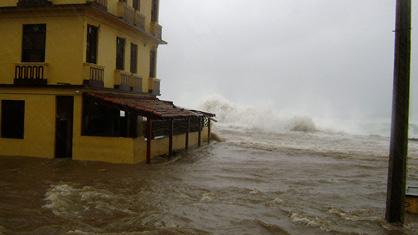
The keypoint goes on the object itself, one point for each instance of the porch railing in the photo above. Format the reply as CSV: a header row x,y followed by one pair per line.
x,y
93,75
32,74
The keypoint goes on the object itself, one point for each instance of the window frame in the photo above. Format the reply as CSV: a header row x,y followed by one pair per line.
x,y
136,4
33,42
120,53
92,50
102,120
16,129
134,58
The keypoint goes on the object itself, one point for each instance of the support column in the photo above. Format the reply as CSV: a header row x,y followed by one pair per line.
x,y
149,139
199,140
187,134
395,204
170,140
209,133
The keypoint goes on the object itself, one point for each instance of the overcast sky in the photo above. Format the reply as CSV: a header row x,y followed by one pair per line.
x,y
330,58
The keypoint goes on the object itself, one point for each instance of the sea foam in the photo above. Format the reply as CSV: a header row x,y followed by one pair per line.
x,y
277,120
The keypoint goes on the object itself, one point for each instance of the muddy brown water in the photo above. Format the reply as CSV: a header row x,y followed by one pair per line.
x,y
248,184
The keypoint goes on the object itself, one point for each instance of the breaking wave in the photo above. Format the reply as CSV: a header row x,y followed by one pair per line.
x,y
233,115
268,119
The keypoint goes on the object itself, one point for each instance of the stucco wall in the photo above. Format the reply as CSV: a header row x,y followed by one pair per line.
x,y
39,127
63,53
107,50
66,36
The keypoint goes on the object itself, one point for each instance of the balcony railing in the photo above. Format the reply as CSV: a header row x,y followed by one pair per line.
x,y
93,75
99,3
31,74
122,80
156,30
139,20
136,83
33,3
154,86
125,81
125,12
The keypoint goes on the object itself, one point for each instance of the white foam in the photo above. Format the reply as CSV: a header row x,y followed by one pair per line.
x,y
73,202
271,119
231,115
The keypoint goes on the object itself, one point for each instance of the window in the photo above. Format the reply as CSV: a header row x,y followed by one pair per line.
x,y
136,4
33,43
92,39
107,121
154,10
153,63
120,53
134,58
12,119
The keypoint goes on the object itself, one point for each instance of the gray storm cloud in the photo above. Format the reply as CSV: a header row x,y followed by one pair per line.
x,y
317,57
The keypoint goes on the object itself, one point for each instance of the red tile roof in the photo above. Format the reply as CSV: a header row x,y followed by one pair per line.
x,y
148,105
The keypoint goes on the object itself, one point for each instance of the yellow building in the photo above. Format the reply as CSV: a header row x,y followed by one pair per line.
x,y
78,79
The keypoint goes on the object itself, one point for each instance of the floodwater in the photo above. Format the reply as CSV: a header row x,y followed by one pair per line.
x,y
251,183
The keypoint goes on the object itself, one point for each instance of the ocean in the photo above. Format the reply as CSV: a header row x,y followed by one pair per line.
x,y
269,174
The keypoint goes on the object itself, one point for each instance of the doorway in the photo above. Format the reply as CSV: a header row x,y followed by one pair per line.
x,y
64,126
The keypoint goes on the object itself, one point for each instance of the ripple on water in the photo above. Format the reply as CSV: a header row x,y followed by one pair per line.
x,y
78,201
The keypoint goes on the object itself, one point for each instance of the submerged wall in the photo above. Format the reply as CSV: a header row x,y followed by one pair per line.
x,y
39,133
39,127
160,147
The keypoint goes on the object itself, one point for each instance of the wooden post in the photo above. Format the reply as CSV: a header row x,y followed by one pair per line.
x,y
187,134
170,139
199,140
209,134
395,204
149,139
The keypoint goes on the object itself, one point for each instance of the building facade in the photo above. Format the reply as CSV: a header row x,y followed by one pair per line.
x,y
78,79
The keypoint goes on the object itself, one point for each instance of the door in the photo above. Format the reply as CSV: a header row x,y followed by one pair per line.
x,y
64,126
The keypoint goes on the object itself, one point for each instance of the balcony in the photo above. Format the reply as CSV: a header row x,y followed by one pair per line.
x,y
156,30
139,20
31,74
125,81
93,75
154,86
33,3
125,12
99,3
122,80
136,83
